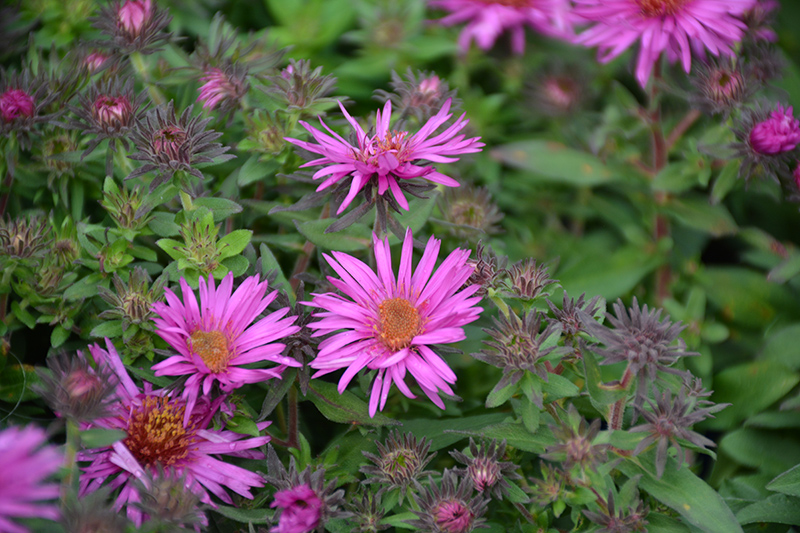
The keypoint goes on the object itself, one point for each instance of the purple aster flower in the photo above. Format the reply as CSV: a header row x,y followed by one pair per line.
x,y
215,339
301,510
388,324
388,155
779,133
677,27
158,433
487,19
25,464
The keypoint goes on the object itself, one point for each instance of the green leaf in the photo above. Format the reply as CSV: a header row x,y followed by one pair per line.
x,y
690,496
58,336
750,388
238,264
447,431
233,243
268,263
172,247
552,161
84,288
419,210
599,395
345,408
725,182
498,397
699,214
221,207
516,436
251,516
101,437
354,238
16,382
276,392
163,224
254,170
110,328
557,387
788,482
399,520
768,451
777,509
781,347
244,425
786,270
23,315
682,175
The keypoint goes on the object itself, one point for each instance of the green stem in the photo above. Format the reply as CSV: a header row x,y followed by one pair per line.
x,y
73,443
186,201
137,60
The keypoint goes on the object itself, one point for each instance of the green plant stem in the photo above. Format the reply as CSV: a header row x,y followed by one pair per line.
x,y
305,258
141,69
72,445
186,201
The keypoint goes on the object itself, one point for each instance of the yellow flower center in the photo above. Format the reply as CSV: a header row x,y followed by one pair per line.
x,y
212,347
156,433
659,8
400,323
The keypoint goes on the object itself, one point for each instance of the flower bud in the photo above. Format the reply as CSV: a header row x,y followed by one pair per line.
x,y
133,15
779,133
220,88
16,103
112,112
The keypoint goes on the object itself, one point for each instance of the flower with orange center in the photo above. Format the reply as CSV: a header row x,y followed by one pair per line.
x,y
164,433
388,323
679,28
215,339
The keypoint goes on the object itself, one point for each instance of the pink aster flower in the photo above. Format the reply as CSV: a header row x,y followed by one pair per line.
x,y
158,433
388,155
219,88
779,133
26,462
487,19
16,103
387,323
215,339
677,27
132,15
302,510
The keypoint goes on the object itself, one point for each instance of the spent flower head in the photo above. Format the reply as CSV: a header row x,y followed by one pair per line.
x,y
388,158
420,95
469,211
389,323
550,487
448,507
75,390
518,345
27,461
669,419
678,28
485,467
400,462
168,144
217,337
648,343
527,279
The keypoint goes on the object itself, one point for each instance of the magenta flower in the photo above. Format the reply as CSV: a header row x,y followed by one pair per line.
x,y
159,433
487,19
679,27
26,462
219,87
387,155
15,103
779,133
302,510
217,338
388,323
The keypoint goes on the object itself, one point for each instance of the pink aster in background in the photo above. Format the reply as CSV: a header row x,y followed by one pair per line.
x,y
487,19
158,433
677,27
387,156
387,323
301,510
26,461
215,339
779,133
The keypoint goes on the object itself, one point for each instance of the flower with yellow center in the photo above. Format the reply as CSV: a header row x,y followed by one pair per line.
x,y
217,337
387,323
163,433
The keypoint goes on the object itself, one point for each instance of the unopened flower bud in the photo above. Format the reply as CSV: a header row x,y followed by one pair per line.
x,y
132,16
401,460
94,61
75,390
528,279
220,88
112,112
16,103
